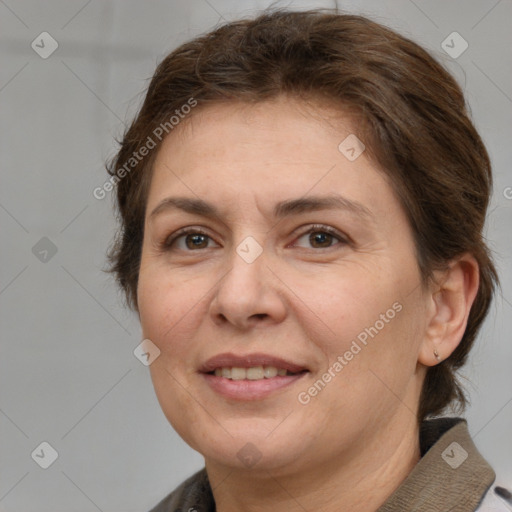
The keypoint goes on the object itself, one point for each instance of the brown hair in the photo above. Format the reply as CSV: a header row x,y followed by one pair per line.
x,y
411,116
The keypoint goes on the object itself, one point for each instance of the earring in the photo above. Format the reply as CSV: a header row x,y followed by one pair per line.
x,y
436,355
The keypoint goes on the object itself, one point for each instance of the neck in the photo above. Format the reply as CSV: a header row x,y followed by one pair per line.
x,y
358,480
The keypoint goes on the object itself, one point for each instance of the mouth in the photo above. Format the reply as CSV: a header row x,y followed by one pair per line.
x,y
252,373
250,366
250,377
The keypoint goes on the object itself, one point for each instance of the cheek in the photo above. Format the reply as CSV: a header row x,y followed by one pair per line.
x,y
371,321
345,303
165,307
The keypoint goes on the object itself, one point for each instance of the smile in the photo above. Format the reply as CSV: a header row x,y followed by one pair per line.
x,y
250,376
252,373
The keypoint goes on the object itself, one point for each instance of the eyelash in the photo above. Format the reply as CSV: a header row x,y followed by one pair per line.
x,y
168,242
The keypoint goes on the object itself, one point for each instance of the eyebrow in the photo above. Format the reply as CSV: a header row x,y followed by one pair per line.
x,y
282,209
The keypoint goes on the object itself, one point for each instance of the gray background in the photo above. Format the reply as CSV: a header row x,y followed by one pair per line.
x,y
68,375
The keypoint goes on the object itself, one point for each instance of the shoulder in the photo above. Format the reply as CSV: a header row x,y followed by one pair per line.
x,y
496,499
194,494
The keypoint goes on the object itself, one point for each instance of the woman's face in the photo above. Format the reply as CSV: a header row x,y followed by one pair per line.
x,y
307,264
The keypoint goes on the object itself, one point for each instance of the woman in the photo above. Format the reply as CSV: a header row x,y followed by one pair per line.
x,y
302,197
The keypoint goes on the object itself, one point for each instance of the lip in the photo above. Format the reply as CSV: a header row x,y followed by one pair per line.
x,y
246,361
248,390
245,390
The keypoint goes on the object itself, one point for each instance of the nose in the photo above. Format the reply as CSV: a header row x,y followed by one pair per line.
x,y
249,295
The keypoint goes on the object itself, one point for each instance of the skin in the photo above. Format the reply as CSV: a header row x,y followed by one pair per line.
x,y
299,300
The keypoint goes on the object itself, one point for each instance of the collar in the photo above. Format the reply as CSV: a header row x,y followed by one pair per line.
x,y
451,475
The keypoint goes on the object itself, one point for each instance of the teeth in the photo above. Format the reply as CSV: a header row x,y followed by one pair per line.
x,y
238,373
270,371
253,373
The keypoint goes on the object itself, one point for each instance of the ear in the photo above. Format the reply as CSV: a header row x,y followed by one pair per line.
x,y
449,300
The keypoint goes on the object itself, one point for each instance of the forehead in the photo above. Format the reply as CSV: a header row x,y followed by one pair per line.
x,y
274,150
272,116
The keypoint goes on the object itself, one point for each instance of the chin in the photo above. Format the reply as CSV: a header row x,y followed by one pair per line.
x,y
247,445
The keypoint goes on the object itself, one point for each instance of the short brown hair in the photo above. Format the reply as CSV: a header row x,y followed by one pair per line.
x,y
412,118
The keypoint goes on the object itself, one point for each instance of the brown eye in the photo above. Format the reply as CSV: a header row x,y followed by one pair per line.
x,y
188,240
320,237
196,241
